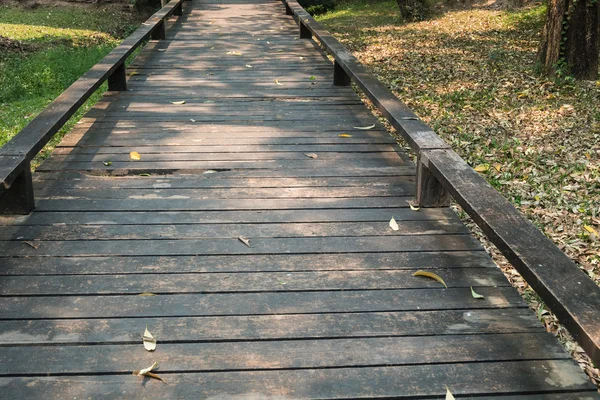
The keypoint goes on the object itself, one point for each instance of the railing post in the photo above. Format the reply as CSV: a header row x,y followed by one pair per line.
x,y
340,77
159,33
178,9
304,31
288,10
430,192
117,81
17,198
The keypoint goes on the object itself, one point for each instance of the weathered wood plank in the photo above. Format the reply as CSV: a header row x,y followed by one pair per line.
x,y
299,245
269,303
265,355
247,263
532,380
246,282
307,326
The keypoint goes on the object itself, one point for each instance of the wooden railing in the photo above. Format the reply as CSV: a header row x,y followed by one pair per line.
x,y
441,174
16,191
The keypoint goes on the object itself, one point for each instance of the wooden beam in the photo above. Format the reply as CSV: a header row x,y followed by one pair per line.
x,y
16,187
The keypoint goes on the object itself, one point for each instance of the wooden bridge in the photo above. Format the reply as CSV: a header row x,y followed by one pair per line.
x,y
244,128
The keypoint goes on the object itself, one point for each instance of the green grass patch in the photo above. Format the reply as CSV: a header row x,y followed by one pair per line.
x,y
61,44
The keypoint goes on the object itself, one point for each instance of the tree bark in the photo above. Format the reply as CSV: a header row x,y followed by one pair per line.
x,y
571,38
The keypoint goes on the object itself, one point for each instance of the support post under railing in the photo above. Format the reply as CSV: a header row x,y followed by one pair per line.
x,y
305,33
340,77
288,10
159,33
117,81
430,192
17,197
178,10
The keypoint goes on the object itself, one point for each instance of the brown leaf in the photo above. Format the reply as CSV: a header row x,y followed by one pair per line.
x,y
244,240
311,155
146,294
148,372
35,246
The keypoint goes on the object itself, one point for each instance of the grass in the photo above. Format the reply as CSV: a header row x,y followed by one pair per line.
x,y
60,44
472,75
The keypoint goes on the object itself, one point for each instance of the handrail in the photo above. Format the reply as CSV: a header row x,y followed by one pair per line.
x,y
441,173
16,155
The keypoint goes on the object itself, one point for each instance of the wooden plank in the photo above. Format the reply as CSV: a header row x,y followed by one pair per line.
x,y
266,303
248,263
308,326
246,282
570,293
300,245
221,205
195,231
532,380
265,355
170,217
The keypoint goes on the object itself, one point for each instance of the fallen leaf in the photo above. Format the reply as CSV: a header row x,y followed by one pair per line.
x,y
134,155
311,155
234,53
35,246
482,168
302,58
448,394
144,174
249,66
149,340
365,128
394,224
107,163
161,49
178,103
277,82
146,294
413,206
193,120
476,295
244,240
590,229
344,135
312,78
211,22
133,73
431,275
498,167
147,372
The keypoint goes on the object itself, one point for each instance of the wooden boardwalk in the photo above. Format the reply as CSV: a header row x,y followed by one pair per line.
x,y
322,304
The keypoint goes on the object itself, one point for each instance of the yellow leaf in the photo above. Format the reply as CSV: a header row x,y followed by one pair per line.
x,y
234,53
211,22
590,229
244,240
147,372
482,168
149,340
431,275
344,135
476,295
413,206
311,155
134,155
448,394
178,103
133,73
394,224
498,167
365,128
277,82
146,294
536,197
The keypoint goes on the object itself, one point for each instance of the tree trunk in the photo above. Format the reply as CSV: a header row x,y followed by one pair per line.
x,y
570,39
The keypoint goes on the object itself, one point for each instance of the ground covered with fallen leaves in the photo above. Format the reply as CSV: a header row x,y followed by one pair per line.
x,y
470,73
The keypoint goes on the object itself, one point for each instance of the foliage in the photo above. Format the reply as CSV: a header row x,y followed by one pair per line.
x,y
61,44
470,74
317,7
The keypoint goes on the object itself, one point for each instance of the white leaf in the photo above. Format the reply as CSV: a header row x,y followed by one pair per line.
x,y
149,340
365,128
394,224
244,240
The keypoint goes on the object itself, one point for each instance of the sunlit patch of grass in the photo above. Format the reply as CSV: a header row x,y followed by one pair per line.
x,y
61,44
